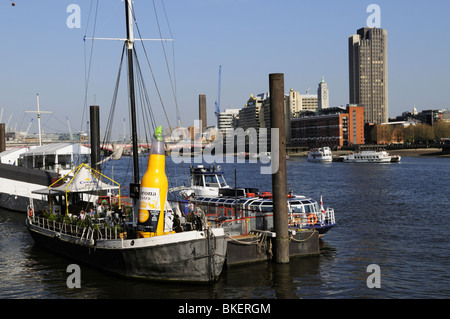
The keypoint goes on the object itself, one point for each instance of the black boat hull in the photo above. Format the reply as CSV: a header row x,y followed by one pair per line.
x,y
198,257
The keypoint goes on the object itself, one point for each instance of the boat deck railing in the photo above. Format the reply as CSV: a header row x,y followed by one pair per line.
x,y
251,219
91,229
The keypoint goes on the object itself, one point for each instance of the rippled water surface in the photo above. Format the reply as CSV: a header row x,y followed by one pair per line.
x,y
392,215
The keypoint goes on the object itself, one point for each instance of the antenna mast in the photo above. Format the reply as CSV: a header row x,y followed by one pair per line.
x,y
39,118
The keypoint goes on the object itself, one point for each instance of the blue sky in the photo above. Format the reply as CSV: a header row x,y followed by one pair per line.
x,y
304,39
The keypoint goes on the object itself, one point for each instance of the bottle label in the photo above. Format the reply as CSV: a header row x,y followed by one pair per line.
x,y
149,205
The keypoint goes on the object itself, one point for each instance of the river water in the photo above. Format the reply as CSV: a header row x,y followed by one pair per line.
x,y
391,215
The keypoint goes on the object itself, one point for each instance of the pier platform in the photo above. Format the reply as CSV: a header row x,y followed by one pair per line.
x,y
259,246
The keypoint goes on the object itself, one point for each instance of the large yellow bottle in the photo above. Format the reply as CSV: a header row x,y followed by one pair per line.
x,y
153,192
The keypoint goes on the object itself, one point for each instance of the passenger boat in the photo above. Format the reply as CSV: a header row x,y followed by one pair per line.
x,y
25,170
184,251
322,154
242,210
368,157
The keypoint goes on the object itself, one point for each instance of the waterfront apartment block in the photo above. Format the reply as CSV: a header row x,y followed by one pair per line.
x,y
226,120
368,73
301,102
334,127
249,115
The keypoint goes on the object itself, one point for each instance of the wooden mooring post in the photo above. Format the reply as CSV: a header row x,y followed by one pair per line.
x,y
279,179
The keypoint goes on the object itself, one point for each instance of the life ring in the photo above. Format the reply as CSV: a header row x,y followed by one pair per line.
x,y
312,219
30,212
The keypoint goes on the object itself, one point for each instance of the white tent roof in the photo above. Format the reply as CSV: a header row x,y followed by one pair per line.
x,y
58,148
12,155
85,181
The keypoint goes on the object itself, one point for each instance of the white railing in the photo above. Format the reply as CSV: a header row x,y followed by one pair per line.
x,y
97,231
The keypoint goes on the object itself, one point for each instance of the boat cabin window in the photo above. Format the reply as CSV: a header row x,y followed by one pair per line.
x,y
266,208
211,180
198,180
64,160
50,161
310,206
38,161
29,161
297,209
221,181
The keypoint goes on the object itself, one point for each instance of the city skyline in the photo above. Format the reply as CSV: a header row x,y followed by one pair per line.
x,y
48,58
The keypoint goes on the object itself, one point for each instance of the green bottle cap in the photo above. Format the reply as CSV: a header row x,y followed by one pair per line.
x,y
158,133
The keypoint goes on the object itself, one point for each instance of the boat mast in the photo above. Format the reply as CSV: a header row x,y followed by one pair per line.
x,y
130,43
39,118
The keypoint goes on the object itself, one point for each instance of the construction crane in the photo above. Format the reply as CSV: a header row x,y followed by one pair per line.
x,y
217,103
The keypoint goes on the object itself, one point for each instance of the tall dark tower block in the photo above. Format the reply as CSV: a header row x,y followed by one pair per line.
x,y
368,73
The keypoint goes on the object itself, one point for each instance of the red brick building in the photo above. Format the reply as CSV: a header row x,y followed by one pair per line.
x,y
334,127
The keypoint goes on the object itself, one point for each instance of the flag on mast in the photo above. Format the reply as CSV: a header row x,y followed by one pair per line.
x,y
322,209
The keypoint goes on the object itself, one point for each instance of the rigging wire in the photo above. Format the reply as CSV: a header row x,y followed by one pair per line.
x,y
153,76
172,84
107,136
151,71
87,69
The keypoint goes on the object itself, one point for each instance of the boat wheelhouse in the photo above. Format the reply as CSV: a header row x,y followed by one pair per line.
x,y
205,181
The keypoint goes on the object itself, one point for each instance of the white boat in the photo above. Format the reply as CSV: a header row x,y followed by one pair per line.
x,y
322,154
368,157
204,182
254,210
32,168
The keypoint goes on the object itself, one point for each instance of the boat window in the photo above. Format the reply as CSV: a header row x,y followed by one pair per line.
x,y
29,161
210,180
198,180
50,161
38,161
64,160
221,181
308,209
266,208
212,209
298,209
